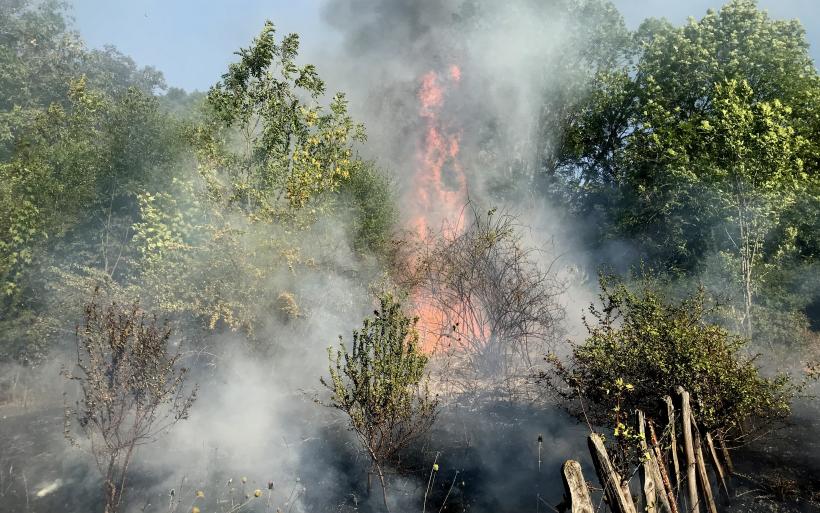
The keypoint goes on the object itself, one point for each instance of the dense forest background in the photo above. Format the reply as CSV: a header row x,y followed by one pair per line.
x,y
259,217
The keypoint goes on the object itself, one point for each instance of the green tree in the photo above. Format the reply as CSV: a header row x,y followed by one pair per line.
x,y
40,54
756,173
634,139
70,189
379,384
270,146
271,161
703,142
81,134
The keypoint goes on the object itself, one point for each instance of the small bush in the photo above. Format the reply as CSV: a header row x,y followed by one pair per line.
x,y
380,385
641,347
132,389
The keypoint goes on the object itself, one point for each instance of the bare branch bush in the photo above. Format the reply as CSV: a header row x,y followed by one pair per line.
x,y
489,306
131,389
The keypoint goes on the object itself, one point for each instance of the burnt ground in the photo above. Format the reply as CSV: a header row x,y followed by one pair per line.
x,y
487,454
493,447
782,472
35,473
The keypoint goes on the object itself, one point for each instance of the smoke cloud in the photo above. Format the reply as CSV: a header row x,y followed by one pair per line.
x,y
490,68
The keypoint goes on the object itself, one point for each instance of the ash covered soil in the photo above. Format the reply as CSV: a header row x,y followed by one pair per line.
x,y
492,447
35,474
782,472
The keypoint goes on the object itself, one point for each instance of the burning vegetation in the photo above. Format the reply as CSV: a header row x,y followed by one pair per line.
x,y
206,249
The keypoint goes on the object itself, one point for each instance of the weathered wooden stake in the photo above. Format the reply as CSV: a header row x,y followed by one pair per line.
x,y
667,484
650,495
619,501
716,462
670,413
575,488
653,487
705,485
726,456
691,483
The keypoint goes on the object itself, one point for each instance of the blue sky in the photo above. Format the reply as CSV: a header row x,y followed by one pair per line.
x,y
191,41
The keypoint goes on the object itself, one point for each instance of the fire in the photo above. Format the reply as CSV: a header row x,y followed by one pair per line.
x,y
455,73
439,185
431,95
439,189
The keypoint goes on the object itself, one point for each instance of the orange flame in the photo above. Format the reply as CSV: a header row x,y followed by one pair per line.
x,y
439,185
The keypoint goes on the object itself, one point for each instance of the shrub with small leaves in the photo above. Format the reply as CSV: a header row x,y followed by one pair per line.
x,y
131,388
380,385
641,347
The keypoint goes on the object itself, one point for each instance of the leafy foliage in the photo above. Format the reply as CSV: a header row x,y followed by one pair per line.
x,y
379,384
702,140
640,348
369,197
279,146
81,133
271,162
97,188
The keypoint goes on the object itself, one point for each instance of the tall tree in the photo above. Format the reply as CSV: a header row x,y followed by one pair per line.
x,y
702,144
291,149
271,159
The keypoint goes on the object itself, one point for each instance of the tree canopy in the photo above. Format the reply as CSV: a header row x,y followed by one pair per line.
x,y
702,141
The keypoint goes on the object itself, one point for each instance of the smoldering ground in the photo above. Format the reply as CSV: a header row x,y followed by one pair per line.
x,y
254,420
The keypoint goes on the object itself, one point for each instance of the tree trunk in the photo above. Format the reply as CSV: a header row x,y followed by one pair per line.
x,y
109,485
124,474
380,473
750,239
384,487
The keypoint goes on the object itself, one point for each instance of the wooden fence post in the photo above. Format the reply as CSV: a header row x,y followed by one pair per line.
x,y
691,483
716,462
705,485
619,500
670,494
650,494
575,488
670,413
653,486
